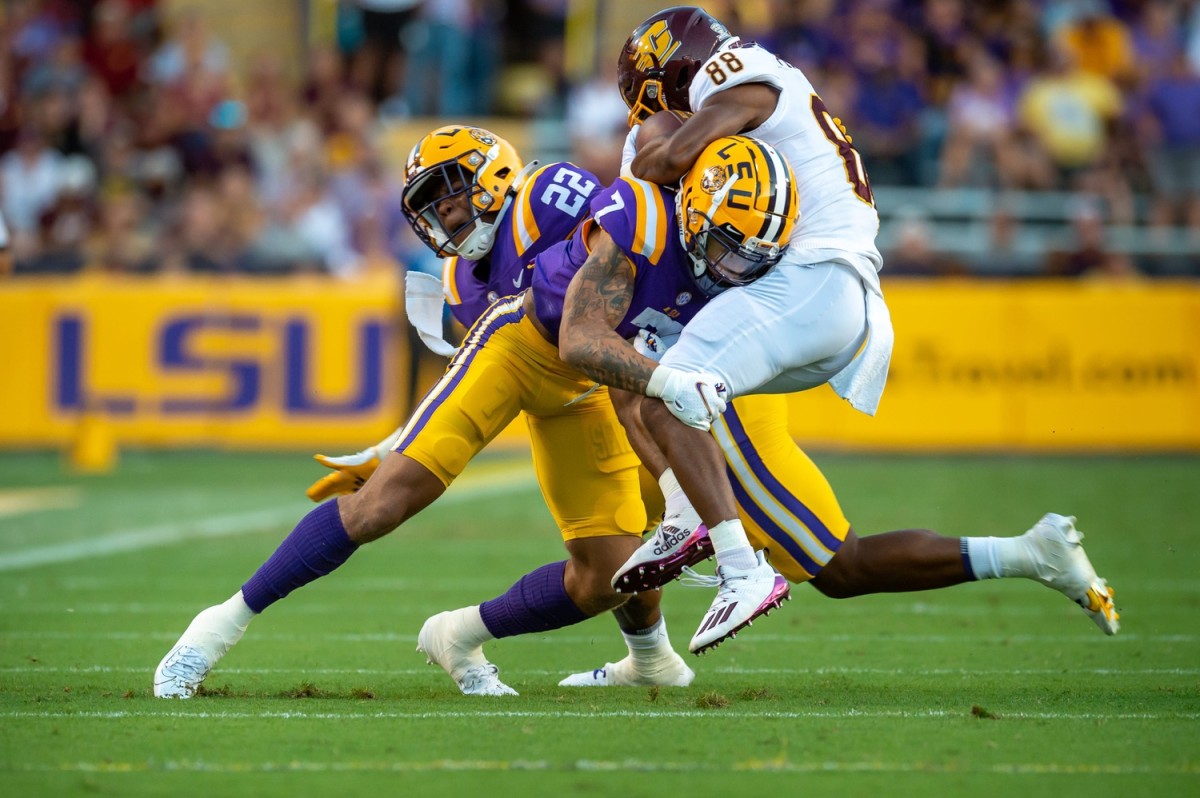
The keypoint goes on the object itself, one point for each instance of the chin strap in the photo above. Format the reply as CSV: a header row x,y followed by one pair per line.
x,y
522,176
475,248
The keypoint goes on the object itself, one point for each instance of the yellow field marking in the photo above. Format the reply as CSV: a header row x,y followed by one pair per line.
x,y
16,501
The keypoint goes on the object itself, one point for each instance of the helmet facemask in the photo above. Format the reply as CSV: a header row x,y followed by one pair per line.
x,y
441,184
460,180
648,101
722,259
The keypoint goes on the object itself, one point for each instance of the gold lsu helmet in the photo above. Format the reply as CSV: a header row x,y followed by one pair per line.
x,y
450,162
737,207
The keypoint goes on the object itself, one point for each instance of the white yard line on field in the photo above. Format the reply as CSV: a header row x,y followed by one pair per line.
x,y
1094,637
218,526
777,765
734,670
176,711
169,711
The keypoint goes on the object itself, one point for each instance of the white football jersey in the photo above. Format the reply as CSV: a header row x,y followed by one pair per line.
x,y
838,220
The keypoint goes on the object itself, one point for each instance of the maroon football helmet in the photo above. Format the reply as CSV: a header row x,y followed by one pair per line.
x,y
661,57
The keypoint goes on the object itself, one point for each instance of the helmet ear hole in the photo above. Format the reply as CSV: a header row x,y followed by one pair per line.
x,y
683,79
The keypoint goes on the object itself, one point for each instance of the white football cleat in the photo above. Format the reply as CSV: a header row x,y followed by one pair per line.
x,y
470,670
483,680
742,596
667,671
680,540
209,636
1063,565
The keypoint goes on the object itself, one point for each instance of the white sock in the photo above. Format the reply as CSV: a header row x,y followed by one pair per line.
x,y
731,545
997,558
471,628
218,628
677,500
650,644
239,612
668,484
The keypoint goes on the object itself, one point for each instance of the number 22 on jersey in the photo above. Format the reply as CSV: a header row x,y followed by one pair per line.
x,y
568,198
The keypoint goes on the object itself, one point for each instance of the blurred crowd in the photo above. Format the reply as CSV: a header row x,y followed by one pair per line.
x,y
131,142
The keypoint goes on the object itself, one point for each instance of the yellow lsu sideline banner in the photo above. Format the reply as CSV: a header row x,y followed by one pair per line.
x,y
1032,365
314,363
289,363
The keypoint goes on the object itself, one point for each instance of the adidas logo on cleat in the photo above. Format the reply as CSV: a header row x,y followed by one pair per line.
x,y
669,538
717,616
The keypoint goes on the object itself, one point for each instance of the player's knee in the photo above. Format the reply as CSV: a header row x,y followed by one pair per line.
x,y
593,594
842,577
626,404
655,413
835,585
365,517
588,578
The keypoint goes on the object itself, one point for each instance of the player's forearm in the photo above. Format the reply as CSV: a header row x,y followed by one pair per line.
x,y
629,412
606,358
657,163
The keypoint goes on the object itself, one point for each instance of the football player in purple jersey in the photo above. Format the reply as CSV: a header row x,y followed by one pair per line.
x,y
469,197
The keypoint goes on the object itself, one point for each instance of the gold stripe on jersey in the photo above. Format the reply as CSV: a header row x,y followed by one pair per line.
x,y
492,318
524,227
651,220
450,280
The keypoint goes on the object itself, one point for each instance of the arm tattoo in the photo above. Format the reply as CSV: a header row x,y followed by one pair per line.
x,y
596,302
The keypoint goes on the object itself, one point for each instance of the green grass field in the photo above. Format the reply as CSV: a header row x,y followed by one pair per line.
x,y
986,689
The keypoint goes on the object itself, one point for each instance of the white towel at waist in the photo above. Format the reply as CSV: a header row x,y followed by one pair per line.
x,y
423,302
861,382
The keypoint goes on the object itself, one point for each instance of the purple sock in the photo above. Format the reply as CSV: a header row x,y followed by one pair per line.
x,y
316,546
538,602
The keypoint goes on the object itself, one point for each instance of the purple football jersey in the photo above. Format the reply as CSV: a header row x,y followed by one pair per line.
x,y
546,210
640,218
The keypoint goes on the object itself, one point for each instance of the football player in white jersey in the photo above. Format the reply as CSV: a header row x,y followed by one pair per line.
x,y
818,317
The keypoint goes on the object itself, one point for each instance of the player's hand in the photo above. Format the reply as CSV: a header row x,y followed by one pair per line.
x,y
351,471
694,397
349,474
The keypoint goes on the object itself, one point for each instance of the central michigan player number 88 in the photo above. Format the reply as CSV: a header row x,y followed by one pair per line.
x,y
856,175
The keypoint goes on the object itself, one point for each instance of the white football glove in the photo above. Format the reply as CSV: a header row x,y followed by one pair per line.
x,y
694,397
653,345
351,471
